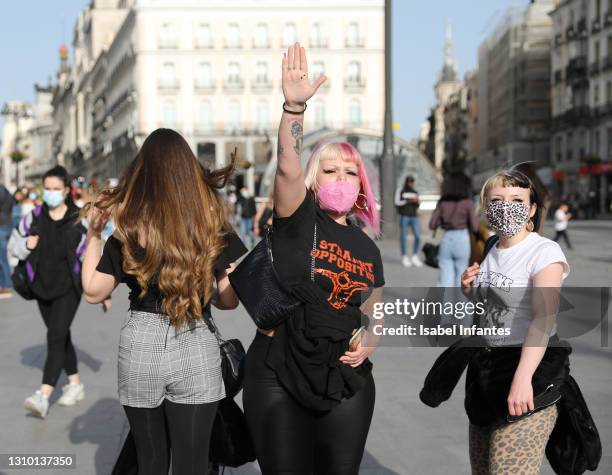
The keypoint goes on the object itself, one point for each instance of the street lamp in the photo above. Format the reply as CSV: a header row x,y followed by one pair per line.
x,y
387,162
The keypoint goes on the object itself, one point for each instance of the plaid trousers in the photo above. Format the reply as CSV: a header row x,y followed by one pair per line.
x,y
157,362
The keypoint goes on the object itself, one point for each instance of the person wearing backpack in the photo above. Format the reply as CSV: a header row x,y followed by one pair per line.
x,y
54,247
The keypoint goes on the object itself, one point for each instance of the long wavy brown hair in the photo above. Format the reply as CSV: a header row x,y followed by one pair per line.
x,y
172,220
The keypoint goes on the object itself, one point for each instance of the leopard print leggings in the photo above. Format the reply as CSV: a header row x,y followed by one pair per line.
x,y
516,448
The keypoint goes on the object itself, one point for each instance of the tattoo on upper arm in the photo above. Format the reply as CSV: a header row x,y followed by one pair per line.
x,y
280,149
297,132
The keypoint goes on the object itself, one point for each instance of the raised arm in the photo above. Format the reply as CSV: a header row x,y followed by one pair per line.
x,y
289,186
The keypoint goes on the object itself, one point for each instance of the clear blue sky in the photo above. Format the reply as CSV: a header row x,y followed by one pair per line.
x,y
32,31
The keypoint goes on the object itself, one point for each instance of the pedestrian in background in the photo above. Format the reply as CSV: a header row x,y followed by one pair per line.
x,y
170,255
248,209
263,218
456,215
18,198
562,217
6,225
54,248
407,202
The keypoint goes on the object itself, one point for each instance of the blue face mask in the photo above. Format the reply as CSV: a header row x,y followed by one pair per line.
x,y
53,199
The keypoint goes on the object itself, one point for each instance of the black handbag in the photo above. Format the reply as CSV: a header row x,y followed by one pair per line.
x,y
260,289
232,360
431,254
230,440
21,282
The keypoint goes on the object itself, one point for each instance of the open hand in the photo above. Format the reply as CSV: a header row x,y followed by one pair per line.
x,y
297,89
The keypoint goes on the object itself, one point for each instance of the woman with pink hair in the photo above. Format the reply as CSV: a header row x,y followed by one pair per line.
x,y
309,392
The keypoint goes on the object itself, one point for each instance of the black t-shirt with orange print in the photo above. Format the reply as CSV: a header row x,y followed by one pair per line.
x,y
347,262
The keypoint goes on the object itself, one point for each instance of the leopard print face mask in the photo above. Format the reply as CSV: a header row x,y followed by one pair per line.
x,y
507,218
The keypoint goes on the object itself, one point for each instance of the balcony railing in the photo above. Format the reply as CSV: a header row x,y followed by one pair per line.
x,y
354,42
232,44
261,44
354,83
594,68
168,44
318,43
233,84
168,84
261,84
204,44
607,63
204,86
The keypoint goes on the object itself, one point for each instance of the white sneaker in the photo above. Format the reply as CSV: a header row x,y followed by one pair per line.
x,y
71,394
37,404
416,261
406,261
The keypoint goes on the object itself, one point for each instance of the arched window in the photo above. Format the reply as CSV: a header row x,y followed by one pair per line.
x,y
352,34
289,34
318,68
261,72
168,75
315,35
233,115
354,113
204,75
319,114
233,73
262,114
203,36
168,36
204,119
233,35
169,113
261,35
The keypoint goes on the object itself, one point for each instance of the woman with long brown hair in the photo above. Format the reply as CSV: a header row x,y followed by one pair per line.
x,y
171,245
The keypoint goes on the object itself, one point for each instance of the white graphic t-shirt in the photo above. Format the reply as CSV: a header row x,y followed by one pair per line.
x,y
508,273
560,221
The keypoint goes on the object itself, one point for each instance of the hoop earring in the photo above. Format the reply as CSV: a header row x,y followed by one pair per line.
x,y
530,225
365,199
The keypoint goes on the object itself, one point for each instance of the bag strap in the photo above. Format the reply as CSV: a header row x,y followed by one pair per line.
x,y
489,245
312,253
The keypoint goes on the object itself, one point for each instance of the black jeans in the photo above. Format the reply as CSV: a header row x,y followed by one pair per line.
x,y
184,427
291,439
58,315
565,237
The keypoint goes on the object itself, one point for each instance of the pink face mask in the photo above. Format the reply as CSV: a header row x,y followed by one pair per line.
x,y
337,196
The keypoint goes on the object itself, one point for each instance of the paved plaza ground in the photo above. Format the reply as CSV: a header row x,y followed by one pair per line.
x,y
406,437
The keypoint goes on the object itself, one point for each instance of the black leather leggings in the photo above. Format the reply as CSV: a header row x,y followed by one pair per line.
x,y
290,439
58,315
184,427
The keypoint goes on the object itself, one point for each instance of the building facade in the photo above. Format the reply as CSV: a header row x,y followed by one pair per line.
x,y
513,93
581,94
211,70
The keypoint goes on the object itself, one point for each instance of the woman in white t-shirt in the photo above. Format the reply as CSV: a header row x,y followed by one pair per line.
x,y
520,262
